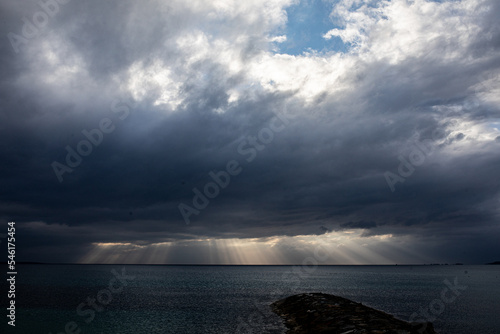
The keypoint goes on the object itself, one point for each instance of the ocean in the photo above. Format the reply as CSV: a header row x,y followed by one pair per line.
x,y
135,299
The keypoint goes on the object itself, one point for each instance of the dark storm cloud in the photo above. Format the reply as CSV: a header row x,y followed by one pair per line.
x,y
360,224
324,171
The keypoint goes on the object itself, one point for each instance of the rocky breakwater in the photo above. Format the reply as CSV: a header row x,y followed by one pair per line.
x,y
320,313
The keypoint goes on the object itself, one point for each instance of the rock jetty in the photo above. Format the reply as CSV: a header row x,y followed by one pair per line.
x,y
321,313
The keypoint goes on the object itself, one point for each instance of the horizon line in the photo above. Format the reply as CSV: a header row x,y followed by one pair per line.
x,y
246,265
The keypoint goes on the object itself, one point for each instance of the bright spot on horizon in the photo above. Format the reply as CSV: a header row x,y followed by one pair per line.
x,y
333,248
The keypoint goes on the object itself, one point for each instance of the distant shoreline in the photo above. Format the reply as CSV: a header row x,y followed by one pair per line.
x,y
253,265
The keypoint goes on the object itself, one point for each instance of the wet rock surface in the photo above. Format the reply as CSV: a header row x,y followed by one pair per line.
x,y
324,314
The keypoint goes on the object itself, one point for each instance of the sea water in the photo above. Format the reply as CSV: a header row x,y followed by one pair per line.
x,y
134,299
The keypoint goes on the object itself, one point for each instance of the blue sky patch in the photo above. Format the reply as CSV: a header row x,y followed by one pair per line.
x,y
307,22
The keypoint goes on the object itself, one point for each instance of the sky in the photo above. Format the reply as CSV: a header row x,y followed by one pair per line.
x,y
251,132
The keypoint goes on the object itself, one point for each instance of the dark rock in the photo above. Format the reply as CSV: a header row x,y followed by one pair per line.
x,y
328,314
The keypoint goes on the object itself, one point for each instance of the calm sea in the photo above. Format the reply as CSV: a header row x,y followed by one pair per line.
x,y
235,299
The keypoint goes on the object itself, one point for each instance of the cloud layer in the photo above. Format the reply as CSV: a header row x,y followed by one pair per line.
x,y
396,138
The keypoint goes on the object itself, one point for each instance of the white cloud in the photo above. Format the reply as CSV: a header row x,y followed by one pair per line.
x,y
277,39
